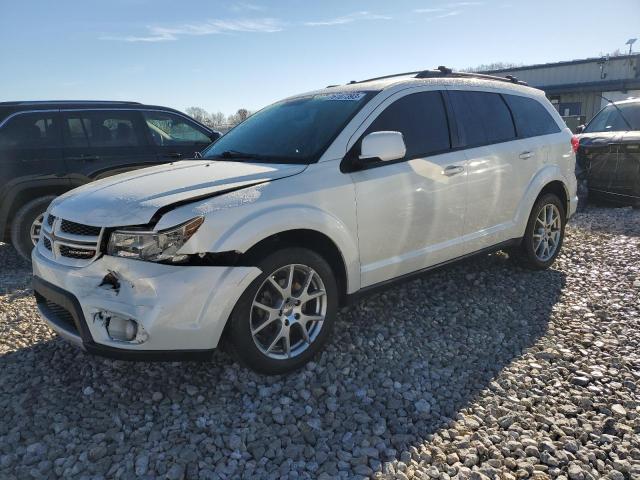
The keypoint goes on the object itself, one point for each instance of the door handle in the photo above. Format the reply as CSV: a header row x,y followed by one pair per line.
x,y
525,155
173,155
452,170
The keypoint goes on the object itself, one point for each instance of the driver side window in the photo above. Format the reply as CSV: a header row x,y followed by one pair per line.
x,y
422,120
169,129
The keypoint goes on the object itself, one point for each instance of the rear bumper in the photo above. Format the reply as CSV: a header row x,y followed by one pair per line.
x,y
182,310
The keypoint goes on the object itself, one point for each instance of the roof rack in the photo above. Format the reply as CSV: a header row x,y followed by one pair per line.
x,y
443,71
64,102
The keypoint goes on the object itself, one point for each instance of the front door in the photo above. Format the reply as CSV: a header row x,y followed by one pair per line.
x,y
100,143
410,212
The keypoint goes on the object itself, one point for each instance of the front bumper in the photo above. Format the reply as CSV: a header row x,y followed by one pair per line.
x,y
182,309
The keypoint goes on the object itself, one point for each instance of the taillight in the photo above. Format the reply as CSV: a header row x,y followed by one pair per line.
x,y
575,143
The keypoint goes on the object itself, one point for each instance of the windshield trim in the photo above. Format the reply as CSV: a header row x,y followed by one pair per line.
x,y
369,95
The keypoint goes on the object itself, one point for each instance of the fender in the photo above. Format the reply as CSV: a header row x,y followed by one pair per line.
x,y
247,231
548,174
262,224
46,185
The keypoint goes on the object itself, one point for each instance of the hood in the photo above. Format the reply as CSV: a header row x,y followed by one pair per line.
x,y
133,198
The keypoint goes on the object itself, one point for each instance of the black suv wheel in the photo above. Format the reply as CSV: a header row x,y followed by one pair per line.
x,y
26,225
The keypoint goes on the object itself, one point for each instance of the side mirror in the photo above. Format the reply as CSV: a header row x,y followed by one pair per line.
x,y
384,146
580,128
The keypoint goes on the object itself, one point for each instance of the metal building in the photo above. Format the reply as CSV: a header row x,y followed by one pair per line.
x,y
576,87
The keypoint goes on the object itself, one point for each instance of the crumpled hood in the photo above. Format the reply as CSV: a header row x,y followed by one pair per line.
x,y
133,198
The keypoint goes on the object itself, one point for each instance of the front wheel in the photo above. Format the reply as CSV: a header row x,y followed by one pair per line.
x,y
286,315
544,234
26,225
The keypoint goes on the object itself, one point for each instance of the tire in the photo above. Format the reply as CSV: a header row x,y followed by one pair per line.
x,y
22,222
263,352
526,254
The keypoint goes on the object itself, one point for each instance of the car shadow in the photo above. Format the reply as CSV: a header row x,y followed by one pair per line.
x,y
401,365
599,216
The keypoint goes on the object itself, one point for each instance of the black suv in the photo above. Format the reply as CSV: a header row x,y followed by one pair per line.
x,y
47,148
608,158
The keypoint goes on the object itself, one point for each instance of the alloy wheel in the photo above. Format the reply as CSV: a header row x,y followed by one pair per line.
x,y
36,227
547,232
288,311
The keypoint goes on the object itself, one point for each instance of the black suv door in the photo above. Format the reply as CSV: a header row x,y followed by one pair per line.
x,y
31,146
100,143
609,151
175,137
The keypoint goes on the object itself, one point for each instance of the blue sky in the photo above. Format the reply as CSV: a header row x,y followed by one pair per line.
x,y
226,55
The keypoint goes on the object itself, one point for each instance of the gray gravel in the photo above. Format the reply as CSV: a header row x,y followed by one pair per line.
x,y
480,371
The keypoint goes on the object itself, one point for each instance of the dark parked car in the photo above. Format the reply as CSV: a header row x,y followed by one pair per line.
x,y
47,148
608,157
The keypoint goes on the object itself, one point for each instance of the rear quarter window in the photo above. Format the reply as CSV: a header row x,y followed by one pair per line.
x,y
530,117
30,130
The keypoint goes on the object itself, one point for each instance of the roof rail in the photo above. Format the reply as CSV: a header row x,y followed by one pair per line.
x,y
443,71
63,102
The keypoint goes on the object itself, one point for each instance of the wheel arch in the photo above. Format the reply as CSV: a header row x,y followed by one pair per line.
x,y
305,238
21,193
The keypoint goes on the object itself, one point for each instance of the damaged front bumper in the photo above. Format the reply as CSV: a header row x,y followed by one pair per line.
x,y
179,311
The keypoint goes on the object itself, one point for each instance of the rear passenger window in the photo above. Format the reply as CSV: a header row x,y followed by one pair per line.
x,y
30,131
531,118
169,129
102,129
421,118
483,118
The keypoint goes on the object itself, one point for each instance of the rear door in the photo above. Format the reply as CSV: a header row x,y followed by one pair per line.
x,y
499,165
175,137
31,146
100,143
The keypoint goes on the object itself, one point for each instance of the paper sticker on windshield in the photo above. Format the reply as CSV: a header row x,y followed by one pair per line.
x,y
343,97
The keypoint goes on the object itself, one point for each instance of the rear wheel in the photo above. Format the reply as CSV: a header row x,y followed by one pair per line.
x,y
286,315
26,225
544,234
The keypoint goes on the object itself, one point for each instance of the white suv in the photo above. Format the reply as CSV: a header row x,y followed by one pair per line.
x,y
309,203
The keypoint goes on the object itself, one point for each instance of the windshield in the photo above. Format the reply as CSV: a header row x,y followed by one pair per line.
x,y
292,131
617,118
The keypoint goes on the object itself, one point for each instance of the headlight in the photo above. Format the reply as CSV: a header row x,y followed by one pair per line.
x,y
153,246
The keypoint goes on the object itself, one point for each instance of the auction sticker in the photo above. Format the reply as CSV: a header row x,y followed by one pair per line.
x,y
343,97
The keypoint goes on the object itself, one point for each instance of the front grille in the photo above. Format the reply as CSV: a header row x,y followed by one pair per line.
x,y
69,242
57,314
77,252
74,228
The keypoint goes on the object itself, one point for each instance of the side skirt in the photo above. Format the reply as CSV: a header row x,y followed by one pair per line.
x,y
355,297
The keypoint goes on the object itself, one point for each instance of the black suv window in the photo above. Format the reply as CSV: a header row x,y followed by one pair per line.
x,y
102,129
482,117
421,118
169,129
30,130
531,118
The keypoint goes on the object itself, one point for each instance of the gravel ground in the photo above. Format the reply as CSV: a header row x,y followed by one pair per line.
x,y
483,370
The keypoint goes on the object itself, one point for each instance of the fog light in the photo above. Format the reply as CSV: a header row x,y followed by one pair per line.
x,y
121,329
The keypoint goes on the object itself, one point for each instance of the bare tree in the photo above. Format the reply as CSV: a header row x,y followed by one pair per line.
x,y
491,66
218,118
199,114
240,116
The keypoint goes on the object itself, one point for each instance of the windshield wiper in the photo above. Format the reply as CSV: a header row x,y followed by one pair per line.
x,y
234,154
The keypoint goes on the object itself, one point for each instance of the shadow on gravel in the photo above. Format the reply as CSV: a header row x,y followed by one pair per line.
x,y
402,364
606,218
